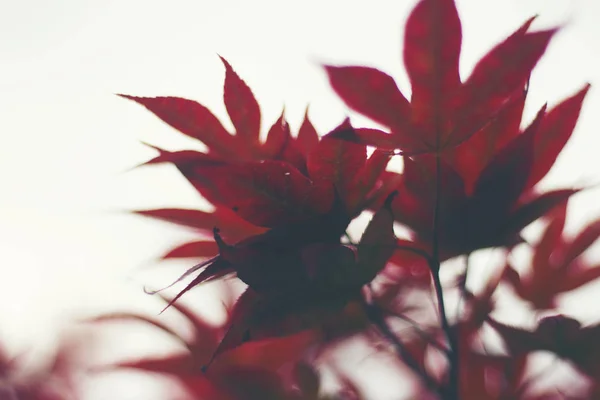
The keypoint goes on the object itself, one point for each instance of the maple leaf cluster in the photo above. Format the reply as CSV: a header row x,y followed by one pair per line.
x,y
282,207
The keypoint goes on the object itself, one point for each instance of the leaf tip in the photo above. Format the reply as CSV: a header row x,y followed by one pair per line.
x,y
585,89
330,70
226,63
128,96
344,132
528,23
152,146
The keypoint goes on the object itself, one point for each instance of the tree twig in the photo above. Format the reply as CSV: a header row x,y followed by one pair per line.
x,y
376,317
434,265
430,339
462,286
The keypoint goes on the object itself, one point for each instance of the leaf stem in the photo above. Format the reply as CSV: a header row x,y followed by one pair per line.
x,y
462,286
376,317
426,336
434,265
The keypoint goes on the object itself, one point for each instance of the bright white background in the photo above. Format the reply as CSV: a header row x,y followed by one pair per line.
x,y
66,141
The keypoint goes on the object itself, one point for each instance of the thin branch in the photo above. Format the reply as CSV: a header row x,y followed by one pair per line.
x,y
462,287
430,339
434,265
376,317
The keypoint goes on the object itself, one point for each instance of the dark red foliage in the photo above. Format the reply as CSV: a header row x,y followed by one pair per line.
x,y
282,207
266,193
556,266
283,211
443,111
304,195
279,164
248,372
296,271
561,335
487,202
196,121
485,193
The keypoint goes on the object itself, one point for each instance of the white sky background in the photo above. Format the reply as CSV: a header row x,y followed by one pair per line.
x,y
67,140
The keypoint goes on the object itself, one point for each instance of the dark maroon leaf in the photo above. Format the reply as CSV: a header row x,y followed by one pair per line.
x,y
518,340
378,242
248,383
504,178
537,207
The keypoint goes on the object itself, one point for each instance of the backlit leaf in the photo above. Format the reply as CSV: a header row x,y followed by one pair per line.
x,y
268,193
241,105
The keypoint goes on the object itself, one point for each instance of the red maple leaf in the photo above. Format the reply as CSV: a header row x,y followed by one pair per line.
x,y
483,375
196,121
223,148
305,201
485,195
299,209
283,204
557,265
299,275
561,335
356,178
487,200
443,111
